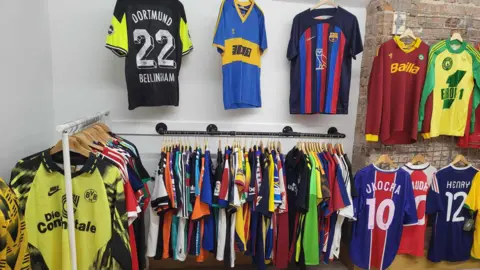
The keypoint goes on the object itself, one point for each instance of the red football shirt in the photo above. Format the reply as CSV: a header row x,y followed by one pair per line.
x,y
413,236
394,91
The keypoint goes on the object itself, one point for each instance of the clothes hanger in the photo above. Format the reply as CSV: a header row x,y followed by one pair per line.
x,y
74,146
324,2
456,36
418,159
86,143
460,158
385,159
408,33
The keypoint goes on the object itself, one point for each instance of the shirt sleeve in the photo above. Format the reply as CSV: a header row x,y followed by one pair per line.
x,y
434,202
117,38
359,200
220,35
473,199
263,34
375,99
356,45
187,45
293,49
410,207
426,93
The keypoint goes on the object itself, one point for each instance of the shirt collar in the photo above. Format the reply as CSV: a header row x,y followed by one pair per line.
x,y
51,166
407,48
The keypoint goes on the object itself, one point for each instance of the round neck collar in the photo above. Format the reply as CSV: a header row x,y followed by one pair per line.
x,y
460,49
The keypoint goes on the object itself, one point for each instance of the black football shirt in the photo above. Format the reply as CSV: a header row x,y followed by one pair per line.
x,y
153,36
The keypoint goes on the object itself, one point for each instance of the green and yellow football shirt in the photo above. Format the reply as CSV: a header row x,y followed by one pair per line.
x,y
101,228
449,85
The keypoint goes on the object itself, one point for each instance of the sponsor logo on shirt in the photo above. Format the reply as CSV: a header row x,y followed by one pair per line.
x,y
55,219
241,50
321,59
53,190
405,67
451,93
76,199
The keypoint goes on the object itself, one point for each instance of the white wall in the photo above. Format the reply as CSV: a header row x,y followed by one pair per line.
x,y
88,78
26,110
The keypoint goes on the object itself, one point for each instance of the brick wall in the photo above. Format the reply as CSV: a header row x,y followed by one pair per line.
x,y
431,20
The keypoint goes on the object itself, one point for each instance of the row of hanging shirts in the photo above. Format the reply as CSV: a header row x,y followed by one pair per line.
x,y
239,203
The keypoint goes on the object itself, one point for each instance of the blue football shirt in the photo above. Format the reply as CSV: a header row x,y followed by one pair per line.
x,y
445,199
385,202
241,39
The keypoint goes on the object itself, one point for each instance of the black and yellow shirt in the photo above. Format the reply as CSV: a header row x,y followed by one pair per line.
x,y
13,235
101,228
153,36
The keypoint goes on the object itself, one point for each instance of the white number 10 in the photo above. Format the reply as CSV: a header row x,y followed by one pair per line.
x,y
451,197
378,217
162,36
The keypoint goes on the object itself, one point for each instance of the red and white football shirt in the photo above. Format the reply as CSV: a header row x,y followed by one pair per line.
x,y
413,236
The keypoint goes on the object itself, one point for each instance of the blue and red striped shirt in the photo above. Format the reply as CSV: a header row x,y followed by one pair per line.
x,y
321,52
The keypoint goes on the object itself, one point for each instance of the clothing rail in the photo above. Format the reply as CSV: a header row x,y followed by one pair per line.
x,y
67,129
212,130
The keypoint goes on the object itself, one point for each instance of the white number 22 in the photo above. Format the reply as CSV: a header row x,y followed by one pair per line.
x,y
451,197
378,217
162,37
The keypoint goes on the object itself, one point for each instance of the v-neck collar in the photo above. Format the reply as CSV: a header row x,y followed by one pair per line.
x,y
244,17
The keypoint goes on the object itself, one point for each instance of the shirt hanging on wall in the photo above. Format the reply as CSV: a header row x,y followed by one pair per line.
x,y
394,91
422,176
241,38
449,84
381,193
153,36
321,53
445,200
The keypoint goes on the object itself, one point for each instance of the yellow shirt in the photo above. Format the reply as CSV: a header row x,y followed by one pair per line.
x,y
473,203
450,79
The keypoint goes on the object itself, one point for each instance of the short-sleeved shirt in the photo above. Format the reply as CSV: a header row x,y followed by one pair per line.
x,y
153,36
445,200
241,39
321,53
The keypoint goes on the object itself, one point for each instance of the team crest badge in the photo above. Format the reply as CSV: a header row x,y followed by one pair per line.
x,y
447,63
333,36
421,57
233,31
321,59
390,55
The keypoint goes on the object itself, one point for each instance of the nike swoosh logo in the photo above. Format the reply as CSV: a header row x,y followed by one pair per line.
x,y
311,38
51,192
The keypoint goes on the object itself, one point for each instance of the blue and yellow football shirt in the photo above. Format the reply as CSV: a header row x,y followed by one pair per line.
x,y
241,38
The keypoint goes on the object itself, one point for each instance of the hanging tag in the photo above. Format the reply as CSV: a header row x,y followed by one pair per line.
x,y
469,225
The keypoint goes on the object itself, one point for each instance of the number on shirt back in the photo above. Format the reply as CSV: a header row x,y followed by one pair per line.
x,y
453,197
162,37
376,215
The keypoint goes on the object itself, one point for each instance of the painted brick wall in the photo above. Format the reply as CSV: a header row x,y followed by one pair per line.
x,y
431,20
